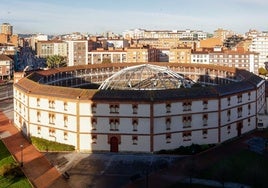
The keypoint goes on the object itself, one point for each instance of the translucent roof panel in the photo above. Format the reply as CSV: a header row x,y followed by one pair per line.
x,y
145,77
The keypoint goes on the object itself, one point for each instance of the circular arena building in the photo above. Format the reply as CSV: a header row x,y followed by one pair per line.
x,y
138,107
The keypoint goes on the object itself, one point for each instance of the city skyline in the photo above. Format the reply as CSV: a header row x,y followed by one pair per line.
x,y
59,17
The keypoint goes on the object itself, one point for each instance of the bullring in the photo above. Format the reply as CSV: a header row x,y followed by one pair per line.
x,y
90,108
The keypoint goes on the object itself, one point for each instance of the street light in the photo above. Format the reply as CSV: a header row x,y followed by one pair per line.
x,y
21,156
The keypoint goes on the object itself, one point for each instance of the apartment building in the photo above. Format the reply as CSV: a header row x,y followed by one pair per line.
x,y
260,45
142,54
239,59
175,34
158,43
6,67
201,57
107,56
223,33
7,29
7,36
49,48
36,38
77,52
180,55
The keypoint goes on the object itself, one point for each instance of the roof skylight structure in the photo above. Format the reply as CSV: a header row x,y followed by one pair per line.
x,y
145,77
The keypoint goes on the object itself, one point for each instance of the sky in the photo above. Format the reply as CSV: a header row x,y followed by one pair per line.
x,y
98,16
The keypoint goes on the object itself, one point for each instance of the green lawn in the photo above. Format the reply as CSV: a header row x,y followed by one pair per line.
x,y
246,167
43,145
12,180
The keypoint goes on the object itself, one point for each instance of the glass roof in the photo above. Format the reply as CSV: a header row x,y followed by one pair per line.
x,y
145,77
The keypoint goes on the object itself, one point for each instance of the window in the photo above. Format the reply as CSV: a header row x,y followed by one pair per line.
x,y
65,106
38,116
205,133
52,132
249,108
168,107
228,129
239,112
186,136
51,104
168,123
239,98
38,130
187,121
135,140
205,120
65,121
114,108
168,138
51,118
205,105
135,124
135,108
93,108
114,124
65,135
249,95
94,139
187,106
94,123
37,102
229,101
248,121
228,115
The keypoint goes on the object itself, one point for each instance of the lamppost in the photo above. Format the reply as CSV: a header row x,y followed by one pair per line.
x,y
21,155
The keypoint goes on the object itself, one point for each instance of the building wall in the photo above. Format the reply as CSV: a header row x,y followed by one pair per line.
x,y
78,130
77,52
180,55
260,45
210,43
7,29
6,67
242,60
114,56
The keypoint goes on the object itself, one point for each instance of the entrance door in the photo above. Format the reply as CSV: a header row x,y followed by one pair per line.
x,y
114,144
239,128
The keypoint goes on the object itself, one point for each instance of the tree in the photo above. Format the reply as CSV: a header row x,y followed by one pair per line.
x,y
56,61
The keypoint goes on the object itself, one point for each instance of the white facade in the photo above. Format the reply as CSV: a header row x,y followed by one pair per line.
x,y
200,57
260,45
101,123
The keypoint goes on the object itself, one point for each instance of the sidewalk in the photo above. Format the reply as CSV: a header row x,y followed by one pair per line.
x,y
35,166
